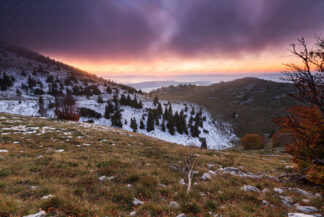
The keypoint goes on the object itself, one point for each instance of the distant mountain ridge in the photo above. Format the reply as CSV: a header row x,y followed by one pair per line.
x,y
250,104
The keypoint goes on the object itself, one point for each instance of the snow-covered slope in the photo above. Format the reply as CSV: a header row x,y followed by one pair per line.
x,y
32,76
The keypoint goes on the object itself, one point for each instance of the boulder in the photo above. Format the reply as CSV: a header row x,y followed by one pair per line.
x,y
250,188
47,197
307,209
278,190
174,204
137,202
206,176
302,215
39,214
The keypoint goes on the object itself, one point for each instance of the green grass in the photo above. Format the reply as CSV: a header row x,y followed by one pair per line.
x,y
143,162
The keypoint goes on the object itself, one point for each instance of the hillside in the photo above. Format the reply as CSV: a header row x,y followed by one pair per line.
x,y
34,85
80,169
250,104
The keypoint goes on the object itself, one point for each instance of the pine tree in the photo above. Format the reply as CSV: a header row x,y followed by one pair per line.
x,y
159,110
116,118
109,109
150,122
170,126
41,107
163,126
18,92
100,100
133,125
203,143
142,126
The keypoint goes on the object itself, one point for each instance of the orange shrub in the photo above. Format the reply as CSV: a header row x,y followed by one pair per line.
x,y
280,139
251,141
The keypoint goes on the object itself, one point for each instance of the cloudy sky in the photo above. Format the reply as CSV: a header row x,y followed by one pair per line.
x,y
162,36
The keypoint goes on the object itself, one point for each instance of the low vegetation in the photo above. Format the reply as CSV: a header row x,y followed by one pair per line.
x,y
89,170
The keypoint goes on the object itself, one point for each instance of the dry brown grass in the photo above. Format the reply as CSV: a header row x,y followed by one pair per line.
x,y
72,176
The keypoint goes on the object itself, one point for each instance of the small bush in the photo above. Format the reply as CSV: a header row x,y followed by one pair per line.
x,y
89,113
251,141
280,139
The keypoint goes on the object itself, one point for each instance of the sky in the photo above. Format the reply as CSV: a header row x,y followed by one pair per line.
x,y
163,37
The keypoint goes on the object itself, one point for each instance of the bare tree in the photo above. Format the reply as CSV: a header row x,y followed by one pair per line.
x,y
307,75
190,163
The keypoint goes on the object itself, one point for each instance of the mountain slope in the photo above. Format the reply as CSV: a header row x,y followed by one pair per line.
x,y
250,104
32,85
81,169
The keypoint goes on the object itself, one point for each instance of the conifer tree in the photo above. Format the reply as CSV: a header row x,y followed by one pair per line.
x,y
116,118
142,126
109,109
41,107
100,100
170,126
133,125
163,126
150,122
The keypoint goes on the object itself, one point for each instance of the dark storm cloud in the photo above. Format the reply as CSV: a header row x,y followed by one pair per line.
x,y
84,27
229,27
136,28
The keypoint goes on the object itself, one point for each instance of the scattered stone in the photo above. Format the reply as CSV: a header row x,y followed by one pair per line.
x,y
132,213
174,204
163,185
33,188
60,150
286,200
16,142
307,209
278,190
195,172
40,156
206,176
85,144
264,202
129,185
47,197
182,182
318,195
306,200
3,151
212,172
39,214
265,190
210,166
137,202
302,215
181,215
173,168
250,188
102,178
202,194
302,192
110,178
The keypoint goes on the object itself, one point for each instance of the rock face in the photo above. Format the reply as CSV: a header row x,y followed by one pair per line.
x,y
39,214
250,188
